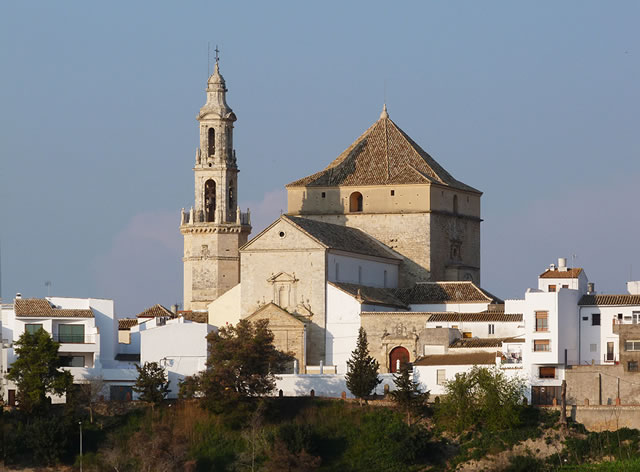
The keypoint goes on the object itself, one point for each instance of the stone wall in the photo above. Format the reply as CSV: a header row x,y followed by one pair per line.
x,y
387,330
601,385
211,261
604,418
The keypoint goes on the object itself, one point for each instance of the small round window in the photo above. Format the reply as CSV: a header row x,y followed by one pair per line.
x,y
281,234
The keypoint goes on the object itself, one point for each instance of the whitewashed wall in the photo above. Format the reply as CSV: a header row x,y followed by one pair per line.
x,y
179,346
361,270
481,329
226,308
324,385
600,335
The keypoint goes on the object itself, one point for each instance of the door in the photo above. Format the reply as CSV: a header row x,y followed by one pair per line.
x,y
397,357
545,395
12,398
609,352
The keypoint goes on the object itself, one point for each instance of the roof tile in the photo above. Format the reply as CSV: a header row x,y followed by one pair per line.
x,y
594,300
561,274
40,307
382,155
445,292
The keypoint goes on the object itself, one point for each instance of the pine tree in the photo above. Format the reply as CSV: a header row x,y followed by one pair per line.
x,y
362,369
37,372
152,384
407,393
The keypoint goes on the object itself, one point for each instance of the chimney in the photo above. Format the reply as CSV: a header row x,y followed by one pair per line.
x,y
552,267
562,264
591,288
18,295
174,309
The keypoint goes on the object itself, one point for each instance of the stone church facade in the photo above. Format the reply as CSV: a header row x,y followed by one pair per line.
x,y
383,216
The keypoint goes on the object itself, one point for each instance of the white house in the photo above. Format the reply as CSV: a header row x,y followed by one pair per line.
x,y
179,346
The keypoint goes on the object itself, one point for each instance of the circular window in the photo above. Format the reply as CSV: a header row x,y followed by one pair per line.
x,y
281,234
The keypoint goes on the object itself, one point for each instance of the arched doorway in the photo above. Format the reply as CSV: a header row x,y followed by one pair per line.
x,y
355,202
398,356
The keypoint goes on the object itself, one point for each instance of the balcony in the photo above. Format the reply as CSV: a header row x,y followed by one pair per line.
x,y
75,338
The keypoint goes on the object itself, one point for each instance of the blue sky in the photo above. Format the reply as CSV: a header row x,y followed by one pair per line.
x,y
535,103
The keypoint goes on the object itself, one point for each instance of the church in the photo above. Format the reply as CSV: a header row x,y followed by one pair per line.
x,y
378,236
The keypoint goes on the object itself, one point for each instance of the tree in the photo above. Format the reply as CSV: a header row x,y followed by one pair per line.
x,y
242,361
482,398
92,392
152,384
37,372
407,393
362,369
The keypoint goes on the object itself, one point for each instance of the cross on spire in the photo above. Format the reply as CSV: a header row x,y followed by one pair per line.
x,y
217,55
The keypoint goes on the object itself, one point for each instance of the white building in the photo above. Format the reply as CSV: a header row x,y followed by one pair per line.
x,y
179,346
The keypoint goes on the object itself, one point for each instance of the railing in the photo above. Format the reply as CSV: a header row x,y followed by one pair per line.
x,y
631,321
75,338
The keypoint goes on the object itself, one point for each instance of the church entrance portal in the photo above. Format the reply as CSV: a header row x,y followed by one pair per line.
x,y
397,357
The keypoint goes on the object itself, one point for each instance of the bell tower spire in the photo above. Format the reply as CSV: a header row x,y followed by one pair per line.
x,y
215,227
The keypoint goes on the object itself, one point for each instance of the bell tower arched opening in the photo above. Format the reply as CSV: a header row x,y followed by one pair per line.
x,y
211,141
210,200
355,202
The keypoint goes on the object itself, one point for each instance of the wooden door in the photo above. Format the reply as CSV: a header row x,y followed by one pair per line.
x,y
397,357
545,395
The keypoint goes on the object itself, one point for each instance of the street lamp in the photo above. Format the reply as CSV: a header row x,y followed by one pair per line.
x,y
80,423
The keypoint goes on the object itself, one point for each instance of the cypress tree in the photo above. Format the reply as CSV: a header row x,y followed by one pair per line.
x,y
362,369
407,393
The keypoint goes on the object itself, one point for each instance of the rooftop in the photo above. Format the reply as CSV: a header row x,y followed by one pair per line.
x,y
596,300
342,238
382,155
482,342
475,317
42,308
469,358
445,292
371,295
156,311
561,274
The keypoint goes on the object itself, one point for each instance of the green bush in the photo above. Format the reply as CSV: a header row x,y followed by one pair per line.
x,y
483,398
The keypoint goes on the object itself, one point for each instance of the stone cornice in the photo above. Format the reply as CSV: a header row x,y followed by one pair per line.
x,y
214,228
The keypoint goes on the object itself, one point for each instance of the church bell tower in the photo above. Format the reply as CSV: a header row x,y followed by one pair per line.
x,y
214,228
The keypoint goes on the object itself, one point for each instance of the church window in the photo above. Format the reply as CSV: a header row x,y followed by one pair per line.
x,y
455,204
393,192
281,234
324,194
355,202
210,200
228,135
212,141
